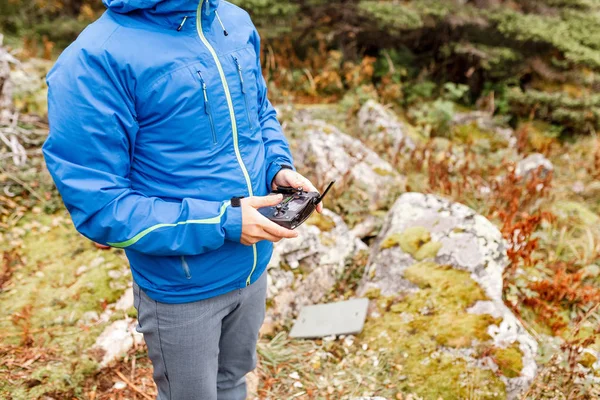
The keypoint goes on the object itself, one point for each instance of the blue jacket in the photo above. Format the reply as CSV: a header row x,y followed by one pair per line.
x,y
158,117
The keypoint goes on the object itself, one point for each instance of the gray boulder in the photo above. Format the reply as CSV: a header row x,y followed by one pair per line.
x,y
365,182
380,127
424,228
302,270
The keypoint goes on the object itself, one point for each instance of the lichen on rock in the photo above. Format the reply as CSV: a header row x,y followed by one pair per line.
x,y
454,298
382,128
415,241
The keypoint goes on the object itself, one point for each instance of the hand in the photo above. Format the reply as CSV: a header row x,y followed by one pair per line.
x,y
288,177
257,227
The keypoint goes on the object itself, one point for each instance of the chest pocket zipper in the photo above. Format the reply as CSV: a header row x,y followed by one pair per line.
x,y
239,69
207,109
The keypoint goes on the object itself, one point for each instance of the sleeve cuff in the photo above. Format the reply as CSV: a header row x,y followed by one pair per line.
x,y
233,224
274,169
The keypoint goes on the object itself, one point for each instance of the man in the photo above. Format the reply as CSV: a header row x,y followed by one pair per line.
x,y
163,142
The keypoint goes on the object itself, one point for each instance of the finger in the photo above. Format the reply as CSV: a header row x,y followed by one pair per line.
x,y
320,208
265,201
264,235
307,185
294,179
279,231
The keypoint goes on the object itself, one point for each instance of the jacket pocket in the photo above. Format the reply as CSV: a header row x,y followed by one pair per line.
x,y
207,108
243,87
186,268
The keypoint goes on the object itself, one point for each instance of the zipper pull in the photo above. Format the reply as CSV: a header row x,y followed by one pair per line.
x,y
239,68
204,89
182,23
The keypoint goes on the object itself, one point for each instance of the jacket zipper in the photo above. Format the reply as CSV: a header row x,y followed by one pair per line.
x,y
239,68
207,109
186,268
231,116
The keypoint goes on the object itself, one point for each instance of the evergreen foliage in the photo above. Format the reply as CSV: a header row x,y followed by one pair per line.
x,y
527,52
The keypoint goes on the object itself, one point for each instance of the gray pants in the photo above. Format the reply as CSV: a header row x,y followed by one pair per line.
x,y
203,350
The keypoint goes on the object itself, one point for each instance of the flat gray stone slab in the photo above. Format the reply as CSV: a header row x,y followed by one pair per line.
x,y
342,318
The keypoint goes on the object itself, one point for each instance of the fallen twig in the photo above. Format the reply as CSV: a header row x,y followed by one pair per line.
x,y
132,386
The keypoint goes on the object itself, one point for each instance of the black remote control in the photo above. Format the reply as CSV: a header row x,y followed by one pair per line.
x,y
295,208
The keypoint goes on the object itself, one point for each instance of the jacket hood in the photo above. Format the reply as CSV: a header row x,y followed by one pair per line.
x,y
159,6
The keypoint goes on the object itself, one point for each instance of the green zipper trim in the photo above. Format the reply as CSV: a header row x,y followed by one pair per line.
x,y
139,236
231,115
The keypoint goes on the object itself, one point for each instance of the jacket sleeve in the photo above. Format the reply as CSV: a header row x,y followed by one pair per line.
x,y
88,153
277,149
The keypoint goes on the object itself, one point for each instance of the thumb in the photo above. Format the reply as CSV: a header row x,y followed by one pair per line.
x,y
265,201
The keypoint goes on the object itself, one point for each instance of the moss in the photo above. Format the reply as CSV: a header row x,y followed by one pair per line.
x,y
587,359
509,360
383,172
391,241
435,316
62,277
483,140
540,135
415,241
323,222
428,250
373,293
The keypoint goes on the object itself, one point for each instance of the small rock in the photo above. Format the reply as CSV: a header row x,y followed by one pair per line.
x,y
119,385
531,163
126,301
268,328
116,340
96,262
81,270
114,274
349,341
88,317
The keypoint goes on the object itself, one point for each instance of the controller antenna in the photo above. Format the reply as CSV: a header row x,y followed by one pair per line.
x,y
320,198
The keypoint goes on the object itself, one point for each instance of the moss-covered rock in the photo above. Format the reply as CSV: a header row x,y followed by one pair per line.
x,y
451,304
429,334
